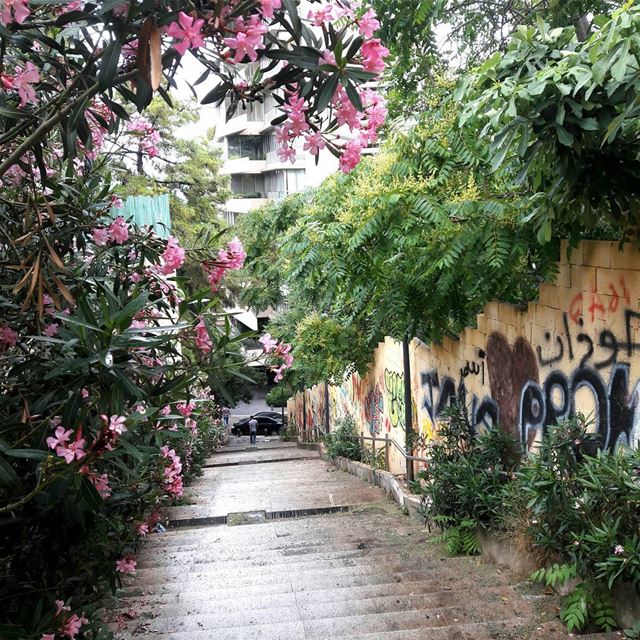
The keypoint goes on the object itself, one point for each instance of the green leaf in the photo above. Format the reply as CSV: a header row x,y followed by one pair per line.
x,y
109,64
8,477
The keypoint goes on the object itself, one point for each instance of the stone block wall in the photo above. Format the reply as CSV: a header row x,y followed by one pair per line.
x,y
576,349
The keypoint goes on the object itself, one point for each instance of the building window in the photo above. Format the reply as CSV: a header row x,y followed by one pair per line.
x,y
250,147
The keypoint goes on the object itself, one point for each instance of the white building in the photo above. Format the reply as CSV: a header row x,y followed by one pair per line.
x,y
251,161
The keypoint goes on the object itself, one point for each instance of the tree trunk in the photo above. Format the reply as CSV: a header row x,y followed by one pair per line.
x,y
583,27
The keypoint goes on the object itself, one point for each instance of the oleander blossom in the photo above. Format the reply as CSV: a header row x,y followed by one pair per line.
x,y
618,550
172,473
232,257
148,137
248,38
8,337
203,340
119,231
186,409
72,626
14,11
23,83
61,443
279,352
188,31
126,564
172,257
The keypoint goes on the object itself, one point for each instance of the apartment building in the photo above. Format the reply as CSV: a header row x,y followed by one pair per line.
x,y
256,173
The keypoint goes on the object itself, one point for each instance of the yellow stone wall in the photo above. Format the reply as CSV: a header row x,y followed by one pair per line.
x,y
577,349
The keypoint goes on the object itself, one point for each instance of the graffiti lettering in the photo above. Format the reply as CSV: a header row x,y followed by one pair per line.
x,y
607,341
615,411
596,303
394,388
374,410
480,414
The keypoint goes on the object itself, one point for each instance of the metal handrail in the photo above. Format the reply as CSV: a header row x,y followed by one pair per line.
x,y
405,455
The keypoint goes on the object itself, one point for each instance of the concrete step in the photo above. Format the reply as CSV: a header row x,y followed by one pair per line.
x,y
261,597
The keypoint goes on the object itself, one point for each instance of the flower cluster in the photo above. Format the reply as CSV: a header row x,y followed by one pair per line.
x,y
248,39
365,123
8,337
70,451
14,11
172,473
148,137
279,351
172,257
203,340
127,564
117,233
22,81
70,624
232,257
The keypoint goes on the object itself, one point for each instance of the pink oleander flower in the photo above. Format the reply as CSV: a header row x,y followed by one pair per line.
x,y
115,423
268,342
373,52
101,483
173,473
192,425
186,409
119,230
203,340
60,607
127,564
350,155
8,337
130,50
618,550
84,393
121,10
148,137
172,257
314,142
321,17
115,202
143,529
71,628
14,11
166,410
188,30
50,330
235,254
368,23
135,278
286,153
48,636
329,58
23,81
59,439
100,236
249,37
267,7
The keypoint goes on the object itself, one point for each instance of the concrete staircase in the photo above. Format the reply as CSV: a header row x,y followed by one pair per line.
x,y
363,574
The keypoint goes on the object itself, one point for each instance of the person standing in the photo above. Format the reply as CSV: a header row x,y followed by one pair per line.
x,y
253,429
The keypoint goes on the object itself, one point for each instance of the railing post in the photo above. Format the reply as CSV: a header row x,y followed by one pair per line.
x,y
361,442
387,465
326,407
304,415
373,452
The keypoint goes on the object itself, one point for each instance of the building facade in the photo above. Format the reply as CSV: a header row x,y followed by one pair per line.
x,y
251,161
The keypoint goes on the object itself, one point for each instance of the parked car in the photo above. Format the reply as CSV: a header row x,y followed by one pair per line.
x,y
267,424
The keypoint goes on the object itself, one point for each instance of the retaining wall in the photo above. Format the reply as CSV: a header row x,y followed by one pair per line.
x,y
577,349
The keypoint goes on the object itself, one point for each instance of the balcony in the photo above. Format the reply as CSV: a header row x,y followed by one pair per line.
x,y
243,204
273,162
243,165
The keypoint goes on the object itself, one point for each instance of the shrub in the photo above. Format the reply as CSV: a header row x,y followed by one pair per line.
x,y
343,441
467,473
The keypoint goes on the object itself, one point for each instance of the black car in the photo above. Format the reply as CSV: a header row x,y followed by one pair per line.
x,y
267,425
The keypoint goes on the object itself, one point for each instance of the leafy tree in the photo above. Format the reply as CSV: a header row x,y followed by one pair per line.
x,y
187,169
562,114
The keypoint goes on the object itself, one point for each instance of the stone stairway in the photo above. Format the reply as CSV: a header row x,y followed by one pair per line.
x,y
364,573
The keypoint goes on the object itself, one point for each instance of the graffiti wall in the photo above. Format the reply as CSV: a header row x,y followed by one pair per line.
x,y
577,349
